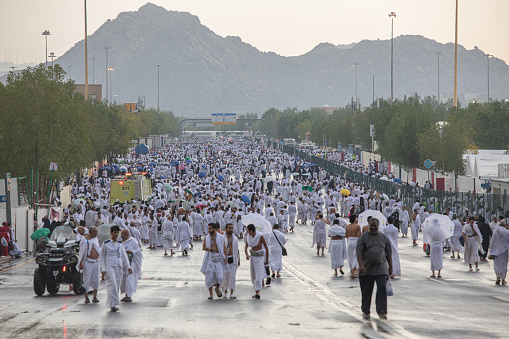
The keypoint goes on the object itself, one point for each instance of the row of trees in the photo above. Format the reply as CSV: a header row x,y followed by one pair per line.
x,y
407,132
45,120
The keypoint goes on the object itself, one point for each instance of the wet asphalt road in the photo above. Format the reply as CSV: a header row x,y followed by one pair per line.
x,y
308,301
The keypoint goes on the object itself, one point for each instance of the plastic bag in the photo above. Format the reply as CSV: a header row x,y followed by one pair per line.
x,y
388,288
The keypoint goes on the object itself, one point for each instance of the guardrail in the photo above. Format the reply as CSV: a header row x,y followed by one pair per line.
x,y
486,204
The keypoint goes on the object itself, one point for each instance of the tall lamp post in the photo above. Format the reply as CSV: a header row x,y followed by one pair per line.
x,y
456,59
356,97
86,54
488,56
392,15
106,92
52,55
438,72
158,65
111,85
46,33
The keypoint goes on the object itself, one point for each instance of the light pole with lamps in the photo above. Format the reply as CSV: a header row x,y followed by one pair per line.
x,y
52,55
46,33
106,92
356,97
111,85
488,56
158,65
86,53
456,59
392,15
438,55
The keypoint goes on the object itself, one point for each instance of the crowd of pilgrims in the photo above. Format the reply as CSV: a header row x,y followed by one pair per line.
x,y
198,183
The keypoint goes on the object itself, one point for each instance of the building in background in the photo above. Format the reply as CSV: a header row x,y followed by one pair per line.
x,y
94,91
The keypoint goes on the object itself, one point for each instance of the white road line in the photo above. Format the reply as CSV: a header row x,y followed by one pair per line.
x,y
383,328
438,281
500,298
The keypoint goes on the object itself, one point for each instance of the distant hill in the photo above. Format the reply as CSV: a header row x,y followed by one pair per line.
x,y
203,72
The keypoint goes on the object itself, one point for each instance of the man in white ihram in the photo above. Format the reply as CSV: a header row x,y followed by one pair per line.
x,y
130,281
259,251
89,262
232,261
113,260
212,266
277,241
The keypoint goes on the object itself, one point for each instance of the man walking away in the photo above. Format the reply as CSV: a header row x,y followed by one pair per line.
x,y
375,264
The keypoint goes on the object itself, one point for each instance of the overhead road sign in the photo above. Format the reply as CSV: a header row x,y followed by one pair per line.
x,y
224,118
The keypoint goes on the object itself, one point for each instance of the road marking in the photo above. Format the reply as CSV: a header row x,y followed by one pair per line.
x,y
439,281
7,306
23,263
383,328
500,298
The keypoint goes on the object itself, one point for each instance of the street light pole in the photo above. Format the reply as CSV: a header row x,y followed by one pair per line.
x,y
106,92
488,56
356,97
52,55
46,33
158,65
438,55
392,15
111,84
456,59
86,53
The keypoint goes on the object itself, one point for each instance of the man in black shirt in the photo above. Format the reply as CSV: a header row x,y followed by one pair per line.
x,y
375,264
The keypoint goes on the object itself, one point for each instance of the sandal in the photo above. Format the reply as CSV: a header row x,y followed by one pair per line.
x,y
219,294
256,296
87,301
432,276
95,300
439,276
278,276
210,297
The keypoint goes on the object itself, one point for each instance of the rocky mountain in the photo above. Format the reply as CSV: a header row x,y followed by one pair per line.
x,y
203,72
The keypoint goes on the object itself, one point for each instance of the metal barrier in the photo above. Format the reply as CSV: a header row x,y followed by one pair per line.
x,y
487,204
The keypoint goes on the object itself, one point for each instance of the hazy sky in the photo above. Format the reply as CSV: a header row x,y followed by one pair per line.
x,y
287,27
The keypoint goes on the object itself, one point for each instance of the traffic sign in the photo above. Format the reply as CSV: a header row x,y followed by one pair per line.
x,y
3,198
130,106
224,118
371,130
53,166
428,163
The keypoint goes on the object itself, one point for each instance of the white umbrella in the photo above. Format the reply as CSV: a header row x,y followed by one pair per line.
x,y
103,232
261,224
269,178
437,228
363,217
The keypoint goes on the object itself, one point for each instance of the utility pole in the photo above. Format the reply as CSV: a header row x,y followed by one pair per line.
x,y
373,89
356,96
86,54
93,70
438,72
106,48
392,15
12,68
158,65
488,57
456,59
52,55
46,33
